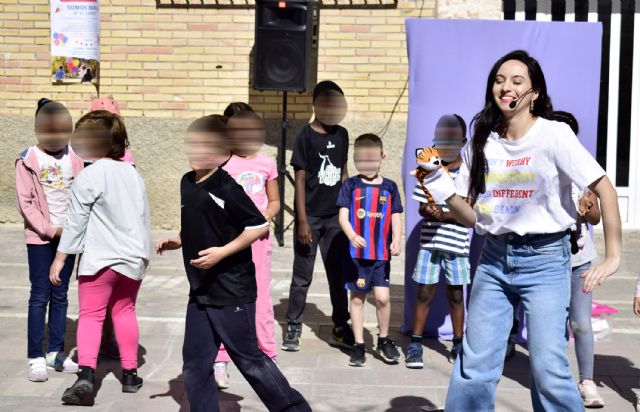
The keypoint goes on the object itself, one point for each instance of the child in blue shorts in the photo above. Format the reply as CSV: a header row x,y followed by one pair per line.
x,y
369,215
444,244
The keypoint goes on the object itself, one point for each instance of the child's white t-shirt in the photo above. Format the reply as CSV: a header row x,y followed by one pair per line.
x,y
55,174
528,181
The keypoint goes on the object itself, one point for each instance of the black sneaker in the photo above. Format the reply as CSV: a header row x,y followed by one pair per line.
x,y
342,336
455,351
291,340
131,382
388,349
357,356
414,356
81,392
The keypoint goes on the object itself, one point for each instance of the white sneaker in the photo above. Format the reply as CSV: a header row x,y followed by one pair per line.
x,y
37,370
589,393
220,375
61,363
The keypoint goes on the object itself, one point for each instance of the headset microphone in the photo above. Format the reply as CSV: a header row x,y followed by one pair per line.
x,y
514,103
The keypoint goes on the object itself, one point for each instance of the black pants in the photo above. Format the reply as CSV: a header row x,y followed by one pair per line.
x,y
334,248
206,328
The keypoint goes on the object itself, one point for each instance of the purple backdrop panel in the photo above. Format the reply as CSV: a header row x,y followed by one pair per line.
x,y
449,61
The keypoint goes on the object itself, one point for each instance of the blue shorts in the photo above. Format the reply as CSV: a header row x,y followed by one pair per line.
x,y
431,262
368,274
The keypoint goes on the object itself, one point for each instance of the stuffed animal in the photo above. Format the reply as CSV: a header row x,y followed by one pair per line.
x,y
428,160
105,103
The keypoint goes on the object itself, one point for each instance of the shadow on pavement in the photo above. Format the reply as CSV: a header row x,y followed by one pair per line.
x,y
319,323
627,376
228,402
411,403
518,368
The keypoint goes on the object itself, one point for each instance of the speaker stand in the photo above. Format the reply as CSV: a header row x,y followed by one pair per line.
x,y
283,175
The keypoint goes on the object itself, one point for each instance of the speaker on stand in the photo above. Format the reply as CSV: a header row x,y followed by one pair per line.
x,y
286,60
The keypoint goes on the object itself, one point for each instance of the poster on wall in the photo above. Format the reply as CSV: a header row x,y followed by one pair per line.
x,y
75,42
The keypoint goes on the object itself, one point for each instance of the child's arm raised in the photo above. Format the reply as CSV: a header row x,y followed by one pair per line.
x,y
612,234
212,256
345,225
273,195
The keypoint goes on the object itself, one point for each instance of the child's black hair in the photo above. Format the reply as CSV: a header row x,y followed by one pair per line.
x,y
463,125
368,140
325,86
50,107
566,117
237,107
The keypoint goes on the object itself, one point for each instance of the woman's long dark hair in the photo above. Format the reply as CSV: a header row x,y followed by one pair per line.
x,y
491,118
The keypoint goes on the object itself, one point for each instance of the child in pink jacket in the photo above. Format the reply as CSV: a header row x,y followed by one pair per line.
x,y
44,173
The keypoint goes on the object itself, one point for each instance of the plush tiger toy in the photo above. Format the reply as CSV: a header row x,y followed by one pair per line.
x,y
428,160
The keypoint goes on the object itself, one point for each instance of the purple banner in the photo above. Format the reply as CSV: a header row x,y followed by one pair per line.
x,y
449,61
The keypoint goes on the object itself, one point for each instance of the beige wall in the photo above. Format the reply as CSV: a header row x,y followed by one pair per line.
x,y
166,66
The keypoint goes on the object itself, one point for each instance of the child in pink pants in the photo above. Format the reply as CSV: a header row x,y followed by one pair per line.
x,y
257,174
108,222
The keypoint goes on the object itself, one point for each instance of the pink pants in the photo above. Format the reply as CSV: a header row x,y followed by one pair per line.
x,y
265,321
108,288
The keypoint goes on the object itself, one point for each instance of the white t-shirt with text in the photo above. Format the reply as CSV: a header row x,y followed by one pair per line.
x,y
528,181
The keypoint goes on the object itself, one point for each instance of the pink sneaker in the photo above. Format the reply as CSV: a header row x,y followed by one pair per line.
x,y
221,375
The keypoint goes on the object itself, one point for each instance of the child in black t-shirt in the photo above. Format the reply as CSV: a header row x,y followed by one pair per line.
x,y
320,161
219,222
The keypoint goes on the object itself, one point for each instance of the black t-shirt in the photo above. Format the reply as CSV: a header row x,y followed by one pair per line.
x,y
322,157
215,212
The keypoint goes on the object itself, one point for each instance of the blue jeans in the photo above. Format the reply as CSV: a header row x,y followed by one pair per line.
x,y
533,270
43,293
580,321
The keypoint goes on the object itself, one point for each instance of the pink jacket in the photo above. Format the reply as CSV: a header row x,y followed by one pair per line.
x,y
32,203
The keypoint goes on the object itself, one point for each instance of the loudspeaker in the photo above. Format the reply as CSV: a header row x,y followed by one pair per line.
x,y
286,45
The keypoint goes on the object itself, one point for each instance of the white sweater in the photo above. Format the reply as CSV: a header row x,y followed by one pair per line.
x,y
108,220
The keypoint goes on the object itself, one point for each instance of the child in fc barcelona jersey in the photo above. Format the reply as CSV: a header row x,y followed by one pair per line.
x,y
370,208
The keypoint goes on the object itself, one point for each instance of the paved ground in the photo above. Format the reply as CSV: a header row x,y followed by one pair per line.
x,y
320,372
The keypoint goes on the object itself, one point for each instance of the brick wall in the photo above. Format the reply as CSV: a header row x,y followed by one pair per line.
x,y
168,62
168,65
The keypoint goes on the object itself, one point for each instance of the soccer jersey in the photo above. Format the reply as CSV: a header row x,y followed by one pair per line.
x,y
370,209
